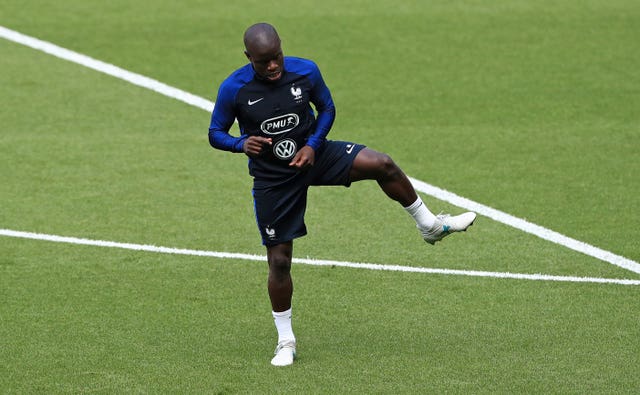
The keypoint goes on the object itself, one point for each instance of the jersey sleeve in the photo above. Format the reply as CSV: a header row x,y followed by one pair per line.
x,y
321,99
222,119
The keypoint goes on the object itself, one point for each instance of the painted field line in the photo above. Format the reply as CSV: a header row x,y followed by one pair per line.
x,y
313,262
420,186
106,68
526,226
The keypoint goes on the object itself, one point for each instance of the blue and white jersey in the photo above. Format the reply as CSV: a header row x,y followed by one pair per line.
x,y
280,110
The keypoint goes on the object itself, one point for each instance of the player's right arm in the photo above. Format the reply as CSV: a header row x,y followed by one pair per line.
x,y
222,119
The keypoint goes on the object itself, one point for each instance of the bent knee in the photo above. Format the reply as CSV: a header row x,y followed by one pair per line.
x,y
387,168
386,163
370,164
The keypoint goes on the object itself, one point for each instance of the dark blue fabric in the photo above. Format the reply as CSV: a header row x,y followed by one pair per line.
x,y
266,108
280,206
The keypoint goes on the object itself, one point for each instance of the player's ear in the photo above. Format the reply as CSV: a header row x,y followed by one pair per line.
x,y
247,55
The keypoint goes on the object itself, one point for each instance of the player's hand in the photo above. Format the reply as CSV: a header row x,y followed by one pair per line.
x,y
304,159
254,145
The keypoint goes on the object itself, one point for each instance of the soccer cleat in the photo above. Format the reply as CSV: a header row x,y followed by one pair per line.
x,y
445,225
285,353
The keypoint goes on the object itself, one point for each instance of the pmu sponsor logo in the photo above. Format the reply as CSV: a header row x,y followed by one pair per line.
x,y
281,124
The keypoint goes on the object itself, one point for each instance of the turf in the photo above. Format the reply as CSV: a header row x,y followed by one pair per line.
x,y
87,320
528,107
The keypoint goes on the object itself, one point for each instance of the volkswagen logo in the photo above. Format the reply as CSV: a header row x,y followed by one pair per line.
x,y
285,149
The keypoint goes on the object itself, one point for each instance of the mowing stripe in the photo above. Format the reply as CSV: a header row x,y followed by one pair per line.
x,y
420,186
313,262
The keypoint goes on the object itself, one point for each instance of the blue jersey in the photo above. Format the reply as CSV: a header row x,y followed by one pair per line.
x,y
280,110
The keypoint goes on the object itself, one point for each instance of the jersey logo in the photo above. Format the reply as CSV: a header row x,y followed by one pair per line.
x,y
285,149
252,102
296,92
281,124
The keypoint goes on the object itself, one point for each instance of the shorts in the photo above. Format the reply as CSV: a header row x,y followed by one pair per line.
x,y
280,205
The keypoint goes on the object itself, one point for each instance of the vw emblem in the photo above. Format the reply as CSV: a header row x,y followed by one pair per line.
x,y
285,149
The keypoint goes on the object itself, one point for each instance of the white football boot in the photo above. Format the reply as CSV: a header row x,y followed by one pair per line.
x,y
445,225
285,353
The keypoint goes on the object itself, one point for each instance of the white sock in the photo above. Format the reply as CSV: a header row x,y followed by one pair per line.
x,y
421,214
283,325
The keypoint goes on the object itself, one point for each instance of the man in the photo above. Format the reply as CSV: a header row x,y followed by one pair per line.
x,y
288,152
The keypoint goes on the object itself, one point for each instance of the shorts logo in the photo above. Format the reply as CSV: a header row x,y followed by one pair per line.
x,y
281,124
285,149
271,233
350,148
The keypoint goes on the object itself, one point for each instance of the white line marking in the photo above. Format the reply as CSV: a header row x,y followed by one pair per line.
x,y
314,262
420,186
526,226
106,68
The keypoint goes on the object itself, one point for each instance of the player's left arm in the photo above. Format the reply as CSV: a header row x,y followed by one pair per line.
x,y
321,99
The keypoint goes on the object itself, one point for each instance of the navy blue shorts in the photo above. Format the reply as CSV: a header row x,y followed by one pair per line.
x,y
280,205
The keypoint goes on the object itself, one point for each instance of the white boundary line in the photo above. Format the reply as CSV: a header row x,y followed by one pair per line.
x,y
106,68
526,226
421,186
313,262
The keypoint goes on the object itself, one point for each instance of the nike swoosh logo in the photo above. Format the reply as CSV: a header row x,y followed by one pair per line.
x,y
251,103
350,148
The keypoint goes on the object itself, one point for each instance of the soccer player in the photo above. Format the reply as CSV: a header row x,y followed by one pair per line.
x,y
286,142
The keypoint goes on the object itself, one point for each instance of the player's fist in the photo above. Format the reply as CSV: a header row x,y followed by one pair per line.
x,y
254,145
304,159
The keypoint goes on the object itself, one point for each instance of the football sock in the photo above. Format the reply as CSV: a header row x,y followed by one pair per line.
x,y
283,325
421,214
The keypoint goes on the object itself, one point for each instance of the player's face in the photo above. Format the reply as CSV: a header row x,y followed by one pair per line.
x,y
268,62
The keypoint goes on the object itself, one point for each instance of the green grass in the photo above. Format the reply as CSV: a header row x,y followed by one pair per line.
x,y
528,107
86,319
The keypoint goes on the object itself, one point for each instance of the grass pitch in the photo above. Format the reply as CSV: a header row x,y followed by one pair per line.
x,y
530,108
